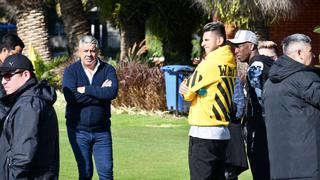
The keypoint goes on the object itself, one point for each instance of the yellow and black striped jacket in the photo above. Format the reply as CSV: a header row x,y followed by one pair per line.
x,y
215,78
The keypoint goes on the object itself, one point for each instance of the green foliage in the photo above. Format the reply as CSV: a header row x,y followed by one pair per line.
x,y
112,62
115,14
171,24
169,17
45,70
233,12
196,48
317,29
108,9
140,52
154,45
120,12
159,24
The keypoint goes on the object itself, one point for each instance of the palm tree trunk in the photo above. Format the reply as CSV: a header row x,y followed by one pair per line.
x,y
32,29
130,33
75,23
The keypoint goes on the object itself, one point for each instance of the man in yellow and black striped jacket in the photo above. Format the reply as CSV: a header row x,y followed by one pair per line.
x,y
210,90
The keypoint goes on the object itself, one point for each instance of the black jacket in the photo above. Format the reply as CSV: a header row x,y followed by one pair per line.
x,y
291,101
258,71
29,144
3,109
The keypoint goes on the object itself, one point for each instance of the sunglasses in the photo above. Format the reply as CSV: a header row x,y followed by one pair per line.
x,y
8,76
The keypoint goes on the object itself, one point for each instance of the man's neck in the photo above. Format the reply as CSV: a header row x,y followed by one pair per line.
x,y
91,68
253,53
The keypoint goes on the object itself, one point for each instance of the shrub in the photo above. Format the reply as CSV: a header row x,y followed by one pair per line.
x,y
46,70
154,45
140,86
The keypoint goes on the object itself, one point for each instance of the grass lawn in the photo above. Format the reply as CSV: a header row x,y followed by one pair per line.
x,y
144,147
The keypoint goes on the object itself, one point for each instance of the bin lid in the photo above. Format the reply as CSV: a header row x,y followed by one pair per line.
x,y
176,68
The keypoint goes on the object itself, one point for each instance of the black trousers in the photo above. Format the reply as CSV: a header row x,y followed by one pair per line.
x,y
207,159
236,161
257,150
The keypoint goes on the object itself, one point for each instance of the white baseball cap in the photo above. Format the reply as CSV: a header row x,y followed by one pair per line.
x,y
243,36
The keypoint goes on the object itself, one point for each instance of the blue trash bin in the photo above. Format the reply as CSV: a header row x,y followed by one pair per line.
x,y
174,75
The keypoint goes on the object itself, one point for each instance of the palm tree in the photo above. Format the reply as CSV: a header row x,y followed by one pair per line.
x,y
276,8
130,16
75,23
175,22
30,16
133,25
258,13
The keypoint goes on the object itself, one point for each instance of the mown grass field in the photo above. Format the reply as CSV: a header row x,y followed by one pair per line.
x,y
144,147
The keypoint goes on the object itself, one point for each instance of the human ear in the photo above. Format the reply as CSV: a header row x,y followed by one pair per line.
x,y
26,74
4,51
300,56
252,46
220,40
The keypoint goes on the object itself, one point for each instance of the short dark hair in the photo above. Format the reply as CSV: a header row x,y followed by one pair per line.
x,y
217,27
10,41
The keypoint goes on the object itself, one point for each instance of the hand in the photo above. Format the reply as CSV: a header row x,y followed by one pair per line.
x,y
107,83
81,89
183,89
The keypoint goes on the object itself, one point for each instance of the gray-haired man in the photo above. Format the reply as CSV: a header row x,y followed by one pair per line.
x,y
291,100
89,85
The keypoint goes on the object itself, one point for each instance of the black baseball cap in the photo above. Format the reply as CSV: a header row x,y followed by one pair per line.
x,y
14,62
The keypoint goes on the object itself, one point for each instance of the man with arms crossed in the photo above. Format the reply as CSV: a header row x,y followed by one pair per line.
x,y
210,89
89,85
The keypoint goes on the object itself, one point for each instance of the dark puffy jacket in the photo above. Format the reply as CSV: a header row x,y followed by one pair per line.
x,y
29,145
3,109
291,101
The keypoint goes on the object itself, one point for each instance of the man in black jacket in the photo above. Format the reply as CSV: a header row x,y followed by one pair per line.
x,y
10,44
246,50
29,144
291,100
